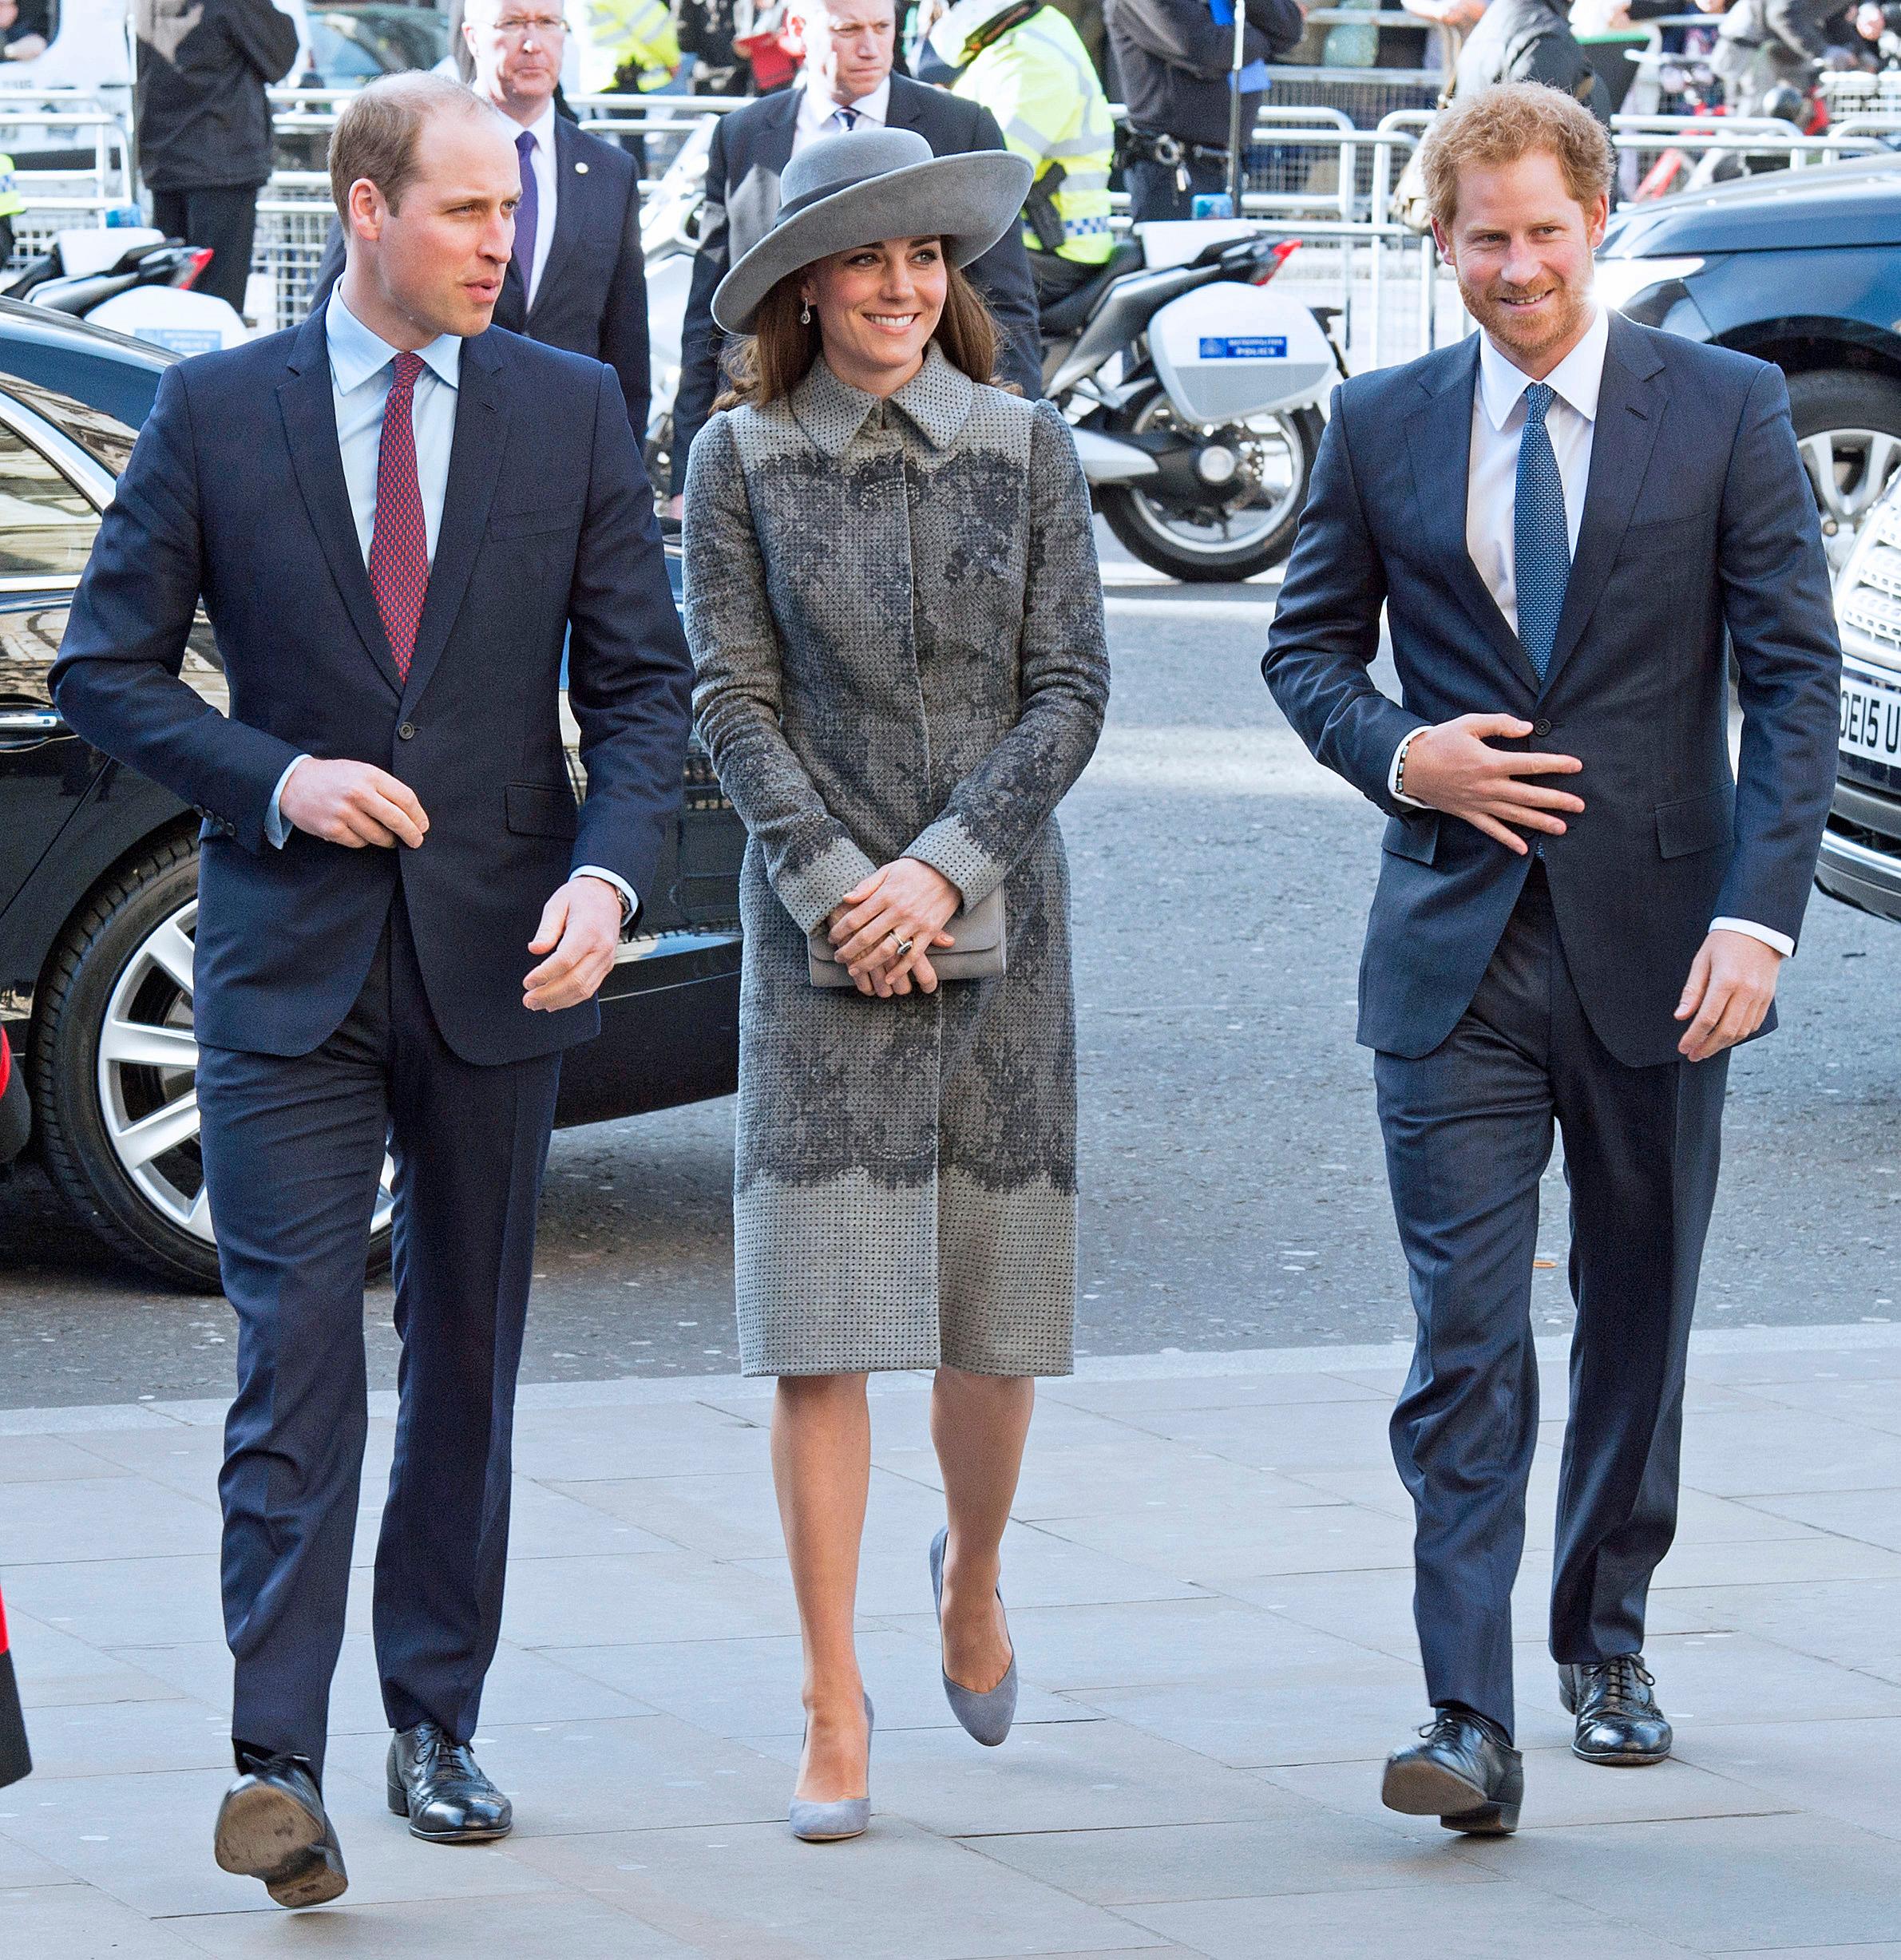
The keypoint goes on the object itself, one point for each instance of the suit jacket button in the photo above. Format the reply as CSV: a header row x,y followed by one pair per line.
x,y
1541,728
406,731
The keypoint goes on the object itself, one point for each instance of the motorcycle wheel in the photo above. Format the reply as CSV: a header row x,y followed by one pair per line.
x,y
1252,532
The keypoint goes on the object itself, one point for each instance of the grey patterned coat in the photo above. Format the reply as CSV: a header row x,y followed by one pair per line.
x,y
897,621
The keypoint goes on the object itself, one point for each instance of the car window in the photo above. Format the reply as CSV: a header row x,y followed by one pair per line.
x,y
104,438
46,525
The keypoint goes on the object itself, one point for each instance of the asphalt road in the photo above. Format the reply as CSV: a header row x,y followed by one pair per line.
x,y
1233,1193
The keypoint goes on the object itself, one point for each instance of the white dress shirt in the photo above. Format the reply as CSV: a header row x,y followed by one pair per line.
x,y
361,369
548,194
1492,491
819,113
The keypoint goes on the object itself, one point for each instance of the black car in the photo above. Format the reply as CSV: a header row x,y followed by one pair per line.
x,y
1802,268
98,866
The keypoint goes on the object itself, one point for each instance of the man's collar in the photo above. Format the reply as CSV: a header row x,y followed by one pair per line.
x,y
542,129
1576,379
356,353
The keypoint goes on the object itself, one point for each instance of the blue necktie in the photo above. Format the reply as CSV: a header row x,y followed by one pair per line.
x,y
1542,543
527,212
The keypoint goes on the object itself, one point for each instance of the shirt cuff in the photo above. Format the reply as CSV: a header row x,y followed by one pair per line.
x,y
1398,762
276,831
629,903
1782,941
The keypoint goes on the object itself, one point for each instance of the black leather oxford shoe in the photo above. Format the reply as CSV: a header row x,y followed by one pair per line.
x,y
1461,1771
272,1826
1618,1720
439,1787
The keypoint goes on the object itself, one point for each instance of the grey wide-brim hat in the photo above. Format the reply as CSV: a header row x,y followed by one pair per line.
x,y
867,185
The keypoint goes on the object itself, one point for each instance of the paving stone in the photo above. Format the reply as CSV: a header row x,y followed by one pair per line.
x,y
1053,1776
755,1893
1560,1791
1847,1769
53,1670
1137,1472
1872,1516
736,1688
541,1925
1230,1547
125,1738
1301,1849
731,1515
45,1459
1507,1918
1135,1399
75,1922
104,1600
656,1441
74,1520
1875,1404
146,1841
1716,1679
19,1866
1718,1884
653,1596
1294,1439
1851,1622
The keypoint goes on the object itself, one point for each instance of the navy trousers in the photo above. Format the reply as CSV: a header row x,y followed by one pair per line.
x,y
293,1153
1468,1131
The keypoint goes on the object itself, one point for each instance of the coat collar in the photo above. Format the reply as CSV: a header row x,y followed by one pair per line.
x,y
937,401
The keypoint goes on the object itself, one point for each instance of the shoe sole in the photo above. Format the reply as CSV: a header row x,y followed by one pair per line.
x,y
399,1808
262,1834
1417,1789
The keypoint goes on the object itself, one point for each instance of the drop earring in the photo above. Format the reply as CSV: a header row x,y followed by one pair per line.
x,y
805,314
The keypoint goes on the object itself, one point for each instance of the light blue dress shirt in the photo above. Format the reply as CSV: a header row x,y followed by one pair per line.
x,y
361,369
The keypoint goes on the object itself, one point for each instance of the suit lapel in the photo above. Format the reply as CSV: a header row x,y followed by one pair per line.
x,y
305,401
906,100
475,457
1630,403
1439,437
571,189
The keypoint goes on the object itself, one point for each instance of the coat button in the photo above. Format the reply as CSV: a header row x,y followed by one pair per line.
x,y
406,732
1541,728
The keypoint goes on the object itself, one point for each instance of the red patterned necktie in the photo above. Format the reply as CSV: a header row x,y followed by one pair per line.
x,y
399,544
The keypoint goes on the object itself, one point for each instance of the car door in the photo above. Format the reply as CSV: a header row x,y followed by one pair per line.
x,y
51,494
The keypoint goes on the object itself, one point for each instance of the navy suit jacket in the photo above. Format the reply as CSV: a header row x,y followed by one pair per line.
x,y
593,297
235,492
748,155
1698,518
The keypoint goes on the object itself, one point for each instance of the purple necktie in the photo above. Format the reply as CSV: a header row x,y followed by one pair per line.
x,y
527,212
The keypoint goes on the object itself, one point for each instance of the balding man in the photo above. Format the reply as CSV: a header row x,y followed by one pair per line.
x,y
402,915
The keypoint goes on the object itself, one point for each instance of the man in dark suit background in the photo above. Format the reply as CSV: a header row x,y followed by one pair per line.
x,y
578,279
395,518
1579,912
847,82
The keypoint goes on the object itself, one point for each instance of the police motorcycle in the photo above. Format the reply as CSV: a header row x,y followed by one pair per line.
x,y
1195,395
134,280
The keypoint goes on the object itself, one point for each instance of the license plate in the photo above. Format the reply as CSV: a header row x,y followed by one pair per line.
x,y
1871,721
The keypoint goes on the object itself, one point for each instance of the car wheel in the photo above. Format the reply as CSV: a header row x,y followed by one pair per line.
x,y
1848,427
115,1070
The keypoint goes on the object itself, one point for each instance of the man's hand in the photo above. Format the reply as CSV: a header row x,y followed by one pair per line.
x,y
581,927
1454,769
1732,983
352,804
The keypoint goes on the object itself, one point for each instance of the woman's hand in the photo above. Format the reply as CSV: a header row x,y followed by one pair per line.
x,y
884,928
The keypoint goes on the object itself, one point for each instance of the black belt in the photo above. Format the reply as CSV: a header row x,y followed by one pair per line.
x,y
1150,146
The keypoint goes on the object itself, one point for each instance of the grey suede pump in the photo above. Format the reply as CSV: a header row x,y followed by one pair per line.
x,y
986,1718
846,1817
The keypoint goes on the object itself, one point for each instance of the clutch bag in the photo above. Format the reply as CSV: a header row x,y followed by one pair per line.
x,y
977,952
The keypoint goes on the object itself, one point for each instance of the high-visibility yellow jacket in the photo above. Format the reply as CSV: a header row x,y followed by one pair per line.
x,y
1036,78
12,203
636,36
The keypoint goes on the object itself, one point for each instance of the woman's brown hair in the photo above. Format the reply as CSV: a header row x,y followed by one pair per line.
x,y
777,354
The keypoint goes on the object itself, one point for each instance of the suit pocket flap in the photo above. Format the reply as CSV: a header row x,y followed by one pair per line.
x,y
1417,838
529,523
533,811
1697,823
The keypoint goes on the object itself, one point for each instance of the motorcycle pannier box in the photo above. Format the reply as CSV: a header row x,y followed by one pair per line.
x,y
1227,351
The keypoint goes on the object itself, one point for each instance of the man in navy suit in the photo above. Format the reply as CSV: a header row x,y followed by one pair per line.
x,y
846,83
1580,910
577,278
395,515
